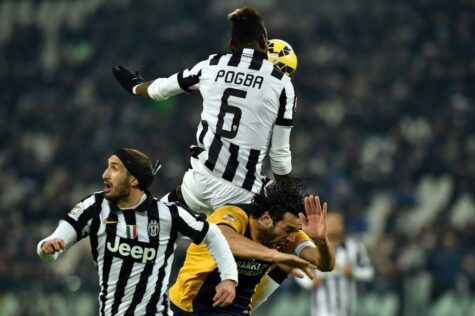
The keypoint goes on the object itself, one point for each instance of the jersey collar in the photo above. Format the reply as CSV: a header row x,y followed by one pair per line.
x,y
249,52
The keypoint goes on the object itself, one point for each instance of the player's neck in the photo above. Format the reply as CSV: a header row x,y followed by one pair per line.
x,y
250,46
131,200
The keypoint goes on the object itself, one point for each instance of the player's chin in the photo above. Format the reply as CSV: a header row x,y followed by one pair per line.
x,y
110,195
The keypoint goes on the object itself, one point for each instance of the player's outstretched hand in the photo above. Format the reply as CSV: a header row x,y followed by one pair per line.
x,y
314,223
225,293
126,78
51,246
292,261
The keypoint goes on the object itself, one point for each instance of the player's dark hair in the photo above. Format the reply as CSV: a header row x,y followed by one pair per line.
x,y
247,26
278,198
143,170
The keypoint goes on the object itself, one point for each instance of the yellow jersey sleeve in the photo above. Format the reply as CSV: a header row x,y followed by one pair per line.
x,y
232,216
299,238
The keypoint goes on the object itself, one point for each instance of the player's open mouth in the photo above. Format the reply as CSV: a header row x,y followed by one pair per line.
x,y
107,187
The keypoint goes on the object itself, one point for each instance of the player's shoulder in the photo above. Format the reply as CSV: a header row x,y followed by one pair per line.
x,y
241,208
87,202
275,74
93,198
214,59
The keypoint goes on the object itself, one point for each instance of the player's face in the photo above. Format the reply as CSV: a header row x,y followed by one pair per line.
x,y
116,180
281,232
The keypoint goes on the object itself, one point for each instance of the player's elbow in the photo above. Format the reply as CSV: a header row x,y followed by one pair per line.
x,y
281,164
326,265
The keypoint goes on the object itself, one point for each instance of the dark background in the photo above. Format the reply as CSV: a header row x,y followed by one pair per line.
x,y
384,131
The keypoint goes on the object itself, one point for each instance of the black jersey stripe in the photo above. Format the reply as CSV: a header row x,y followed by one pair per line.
x,y
151,308
165,304
186,82
276,73
278,275
215,60
256,62
108,257
235,59
196,236
152,215
95,225
282,106
251,169
232,164
205,126
214,152
125,269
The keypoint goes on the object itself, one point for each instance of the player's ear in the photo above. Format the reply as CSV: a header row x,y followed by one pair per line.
x,y
263,41
267,219
232,45
133,181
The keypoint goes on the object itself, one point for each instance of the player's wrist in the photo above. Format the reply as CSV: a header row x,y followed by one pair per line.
x,y
321,241
134,89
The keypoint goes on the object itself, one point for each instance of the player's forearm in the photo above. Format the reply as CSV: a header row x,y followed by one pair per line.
x,y
243,247
219,249
279,153
323,256
65,232
159,89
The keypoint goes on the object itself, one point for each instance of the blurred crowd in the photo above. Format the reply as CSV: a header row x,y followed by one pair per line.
x,y
384,130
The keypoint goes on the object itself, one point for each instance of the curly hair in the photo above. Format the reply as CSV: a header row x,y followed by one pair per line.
x,y
278,198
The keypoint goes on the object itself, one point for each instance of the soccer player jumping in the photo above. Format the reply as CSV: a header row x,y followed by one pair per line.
x,y
247,113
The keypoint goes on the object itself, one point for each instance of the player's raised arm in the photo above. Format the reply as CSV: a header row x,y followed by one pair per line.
x,y
279,152
314,224
160,88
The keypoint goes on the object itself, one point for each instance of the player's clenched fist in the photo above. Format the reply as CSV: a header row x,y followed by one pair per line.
x,y
225,293
53,245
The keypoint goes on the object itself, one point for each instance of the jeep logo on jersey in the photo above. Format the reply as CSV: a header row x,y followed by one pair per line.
x,y
153,228
126,248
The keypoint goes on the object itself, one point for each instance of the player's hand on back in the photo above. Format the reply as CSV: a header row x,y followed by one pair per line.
x,y
53,245
225,293
126,78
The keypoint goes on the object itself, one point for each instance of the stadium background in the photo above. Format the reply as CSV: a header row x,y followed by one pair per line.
x,y
384,131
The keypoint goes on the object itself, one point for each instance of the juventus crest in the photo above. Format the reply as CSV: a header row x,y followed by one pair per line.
x,y
153,228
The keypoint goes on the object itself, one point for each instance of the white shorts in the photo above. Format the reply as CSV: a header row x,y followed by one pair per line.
x,y
204,192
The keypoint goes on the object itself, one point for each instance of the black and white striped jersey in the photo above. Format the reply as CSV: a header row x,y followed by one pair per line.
x,y
336,295
244,99
133,250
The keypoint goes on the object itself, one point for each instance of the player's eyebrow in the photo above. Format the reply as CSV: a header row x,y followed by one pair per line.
x,y
113,163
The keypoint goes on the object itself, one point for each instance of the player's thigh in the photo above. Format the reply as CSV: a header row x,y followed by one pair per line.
x,y
228,193
195,191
